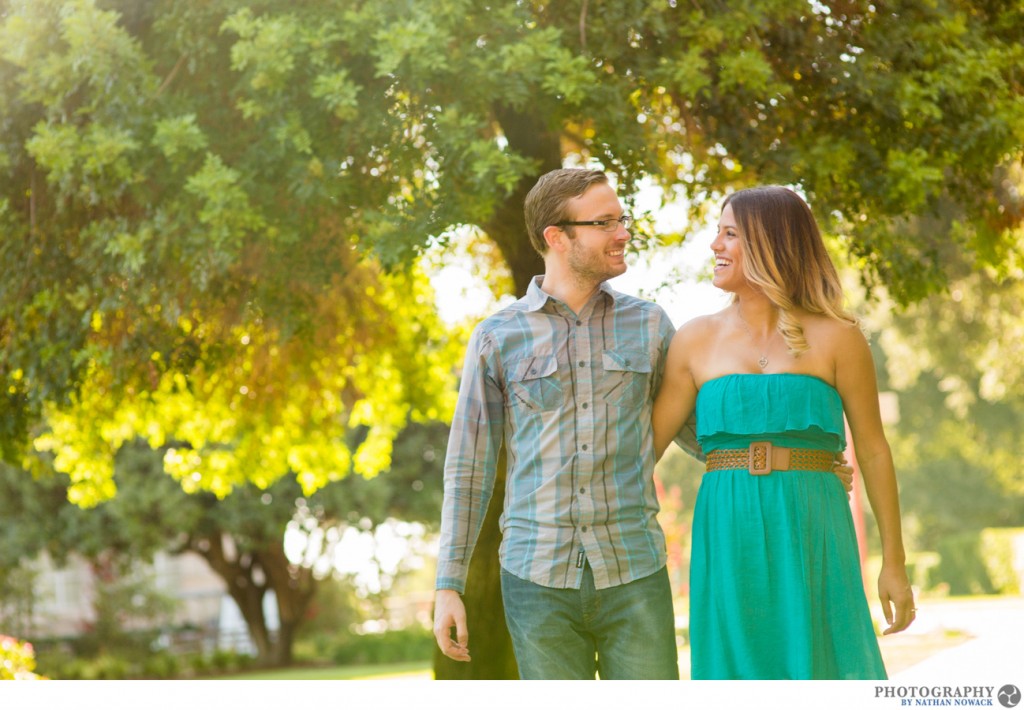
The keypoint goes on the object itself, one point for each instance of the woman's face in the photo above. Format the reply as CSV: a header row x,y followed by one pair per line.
x,y
728,249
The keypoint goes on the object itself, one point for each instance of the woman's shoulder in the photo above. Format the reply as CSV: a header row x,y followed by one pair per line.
x,y
832,338
703,325
698,329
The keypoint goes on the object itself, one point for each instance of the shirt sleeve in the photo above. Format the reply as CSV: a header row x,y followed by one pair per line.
x,y
665,332
471,460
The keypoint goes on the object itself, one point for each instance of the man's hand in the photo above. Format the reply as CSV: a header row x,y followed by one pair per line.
x,y
449,612
843,472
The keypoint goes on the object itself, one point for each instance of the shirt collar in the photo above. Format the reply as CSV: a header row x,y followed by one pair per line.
x,y
536,297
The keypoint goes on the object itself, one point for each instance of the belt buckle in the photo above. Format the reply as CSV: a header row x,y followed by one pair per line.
x,y
759,461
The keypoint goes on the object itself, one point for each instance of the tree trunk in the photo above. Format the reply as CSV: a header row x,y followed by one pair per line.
x,y
237,573
249,598
527,135
294,586
489,641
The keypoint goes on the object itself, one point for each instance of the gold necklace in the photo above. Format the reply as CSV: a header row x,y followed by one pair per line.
x,y
763,360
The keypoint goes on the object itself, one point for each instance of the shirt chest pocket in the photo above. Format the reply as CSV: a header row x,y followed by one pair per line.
x,y
534,383
626,378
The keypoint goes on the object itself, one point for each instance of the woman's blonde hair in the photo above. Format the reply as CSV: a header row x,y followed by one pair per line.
x,y
785,256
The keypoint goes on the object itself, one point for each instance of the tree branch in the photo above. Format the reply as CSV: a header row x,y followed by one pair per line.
x,y
173,73
583,26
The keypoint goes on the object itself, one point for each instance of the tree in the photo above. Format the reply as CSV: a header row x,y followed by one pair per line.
x,y
182,279
240,536
270,133
955,360
871,111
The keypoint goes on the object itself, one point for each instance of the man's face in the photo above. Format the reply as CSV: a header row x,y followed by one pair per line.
x,y
596,255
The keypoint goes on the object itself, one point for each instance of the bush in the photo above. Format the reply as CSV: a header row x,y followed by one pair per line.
x,y
200,664
55,659
17,660
411,644
103,667
161,666
980,562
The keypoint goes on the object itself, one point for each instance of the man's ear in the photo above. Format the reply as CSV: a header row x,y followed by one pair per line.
x,y
556,238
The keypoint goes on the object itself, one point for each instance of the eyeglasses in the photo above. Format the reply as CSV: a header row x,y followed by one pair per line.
x,y
606,225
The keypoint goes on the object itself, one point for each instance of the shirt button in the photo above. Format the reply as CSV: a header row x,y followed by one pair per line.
x,y
627,362
584,447
579,322
583,490
584,528
585,405
582,364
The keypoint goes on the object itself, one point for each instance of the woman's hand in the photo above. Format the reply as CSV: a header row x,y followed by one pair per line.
x,y
897,597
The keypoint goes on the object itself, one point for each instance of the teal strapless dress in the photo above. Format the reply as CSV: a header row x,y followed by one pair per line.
x,y
775,579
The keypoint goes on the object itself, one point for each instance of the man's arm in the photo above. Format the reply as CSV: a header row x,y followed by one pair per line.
x,y
469,474
843,471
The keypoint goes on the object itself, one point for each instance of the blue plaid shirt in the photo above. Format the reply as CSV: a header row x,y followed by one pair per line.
x,y
571,396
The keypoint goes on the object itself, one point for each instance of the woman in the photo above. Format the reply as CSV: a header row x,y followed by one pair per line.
x,y
776,588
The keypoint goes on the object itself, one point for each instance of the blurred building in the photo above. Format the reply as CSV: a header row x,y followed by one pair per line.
x,y
204,616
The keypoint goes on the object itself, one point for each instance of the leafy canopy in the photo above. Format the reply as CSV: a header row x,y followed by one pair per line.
x,y
180,268
197,196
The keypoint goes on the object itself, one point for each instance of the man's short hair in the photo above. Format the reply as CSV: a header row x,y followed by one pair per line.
x,y
548,201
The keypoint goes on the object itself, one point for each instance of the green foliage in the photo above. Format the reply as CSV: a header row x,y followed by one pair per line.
x,y
677,478
335,608
190,189
18,598
102,667
161,666
153,665
224,661
152,512
178,136
980,562
410,644
178,261
955,361
208,209
17,660
128,610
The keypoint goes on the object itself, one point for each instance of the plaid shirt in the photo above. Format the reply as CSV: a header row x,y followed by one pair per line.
x,y
571,396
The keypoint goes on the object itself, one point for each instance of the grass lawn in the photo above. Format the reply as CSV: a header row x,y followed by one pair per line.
x,y
899,652
416,670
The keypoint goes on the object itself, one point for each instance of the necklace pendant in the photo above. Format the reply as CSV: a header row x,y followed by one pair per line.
x,y
763,362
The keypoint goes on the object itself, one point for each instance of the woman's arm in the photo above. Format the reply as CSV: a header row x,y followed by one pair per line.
x,y
856,383
678,393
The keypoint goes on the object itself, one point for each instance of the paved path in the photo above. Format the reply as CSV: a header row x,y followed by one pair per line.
x,y
996,651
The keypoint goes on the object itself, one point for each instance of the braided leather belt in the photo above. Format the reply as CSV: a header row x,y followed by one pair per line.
x,y
761,458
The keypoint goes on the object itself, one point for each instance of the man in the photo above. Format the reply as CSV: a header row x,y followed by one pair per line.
x,y
566,377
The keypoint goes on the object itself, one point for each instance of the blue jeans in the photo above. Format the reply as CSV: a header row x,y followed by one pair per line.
x,y
620,633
